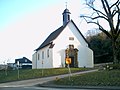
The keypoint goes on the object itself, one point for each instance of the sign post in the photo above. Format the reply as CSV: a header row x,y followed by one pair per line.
x,y
68,62
18,68
42,68
5,64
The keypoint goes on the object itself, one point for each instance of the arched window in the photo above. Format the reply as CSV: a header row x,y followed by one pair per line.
x,y
38,56
42,54
68,17
48,53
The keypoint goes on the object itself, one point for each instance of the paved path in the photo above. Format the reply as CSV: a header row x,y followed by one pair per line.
x,y
32,82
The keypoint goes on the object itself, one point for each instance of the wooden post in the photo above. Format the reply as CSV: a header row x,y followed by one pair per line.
x,y
42,68
18,69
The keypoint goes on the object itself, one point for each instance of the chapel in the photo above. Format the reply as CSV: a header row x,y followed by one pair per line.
x,y
65,42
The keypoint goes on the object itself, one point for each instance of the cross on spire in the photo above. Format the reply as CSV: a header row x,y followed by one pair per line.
x,y
66,4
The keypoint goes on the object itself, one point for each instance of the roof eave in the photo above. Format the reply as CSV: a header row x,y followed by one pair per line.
x,y
41,47
50,41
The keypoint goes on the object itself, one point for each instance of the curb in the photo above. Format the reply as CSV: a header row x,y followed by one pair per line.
x,y
80,87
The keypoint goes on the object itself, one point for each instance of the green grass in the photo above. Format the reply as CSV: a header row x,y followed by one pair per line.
x,y
100,78
12,75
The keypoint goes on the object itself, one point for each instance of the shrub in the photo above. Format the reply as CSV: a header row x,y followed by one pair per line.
x,y
115,66
112,66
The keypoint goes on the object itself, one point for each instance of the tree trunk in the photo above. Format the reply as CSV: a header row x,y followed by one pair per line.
x,y
115,60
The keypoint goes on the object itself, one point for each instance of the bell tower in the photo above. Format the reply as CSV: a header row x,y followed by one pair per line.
x,y
66,16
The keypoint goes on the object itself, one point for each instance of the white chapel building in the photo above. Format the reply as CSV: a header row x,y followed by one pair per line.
x,y
66,41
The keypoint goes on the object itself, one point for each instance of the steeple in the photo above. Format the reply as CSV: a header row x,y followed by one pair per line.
x,y
66,16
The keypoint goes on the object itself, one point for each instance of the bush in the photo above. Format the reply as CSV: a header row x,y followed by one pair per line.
x,y
115,66
112,66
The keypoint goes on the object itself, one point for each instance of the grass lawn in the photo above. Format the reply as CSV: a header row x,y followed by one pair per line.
x,y
12,75
100,78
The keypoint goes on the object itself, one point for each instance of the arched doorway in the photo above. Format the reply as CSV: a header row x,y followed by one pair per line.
x,y
72,53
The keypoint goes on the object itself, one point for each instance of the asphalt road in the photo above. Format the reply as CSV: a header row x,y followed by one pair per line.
x,y
39,88
53,88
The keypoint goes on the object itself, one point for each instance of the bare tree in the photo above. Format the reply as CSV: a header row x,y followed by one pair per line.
x,y
110,12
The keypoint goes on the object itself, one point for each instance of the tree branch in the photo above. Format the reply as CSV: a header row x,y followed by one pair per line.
x,y
116,11
100,17
108,16
102,29
97,11
107,5
115,3
104,7
93,18
118,22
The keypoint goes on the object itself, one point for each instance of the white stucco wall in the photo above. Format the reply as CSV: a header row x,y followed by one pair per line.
x,y
34,61
41,62
47,61
85,55
77,34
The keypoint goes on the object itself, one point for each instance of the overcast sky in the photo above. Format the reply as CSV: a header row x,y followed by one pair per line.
x,y
25,24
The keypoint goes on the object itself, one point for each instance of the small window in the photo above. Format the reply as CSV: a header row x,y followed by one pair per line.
x,y
38,56
25,60
71,38
42,54
68,17
48,53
